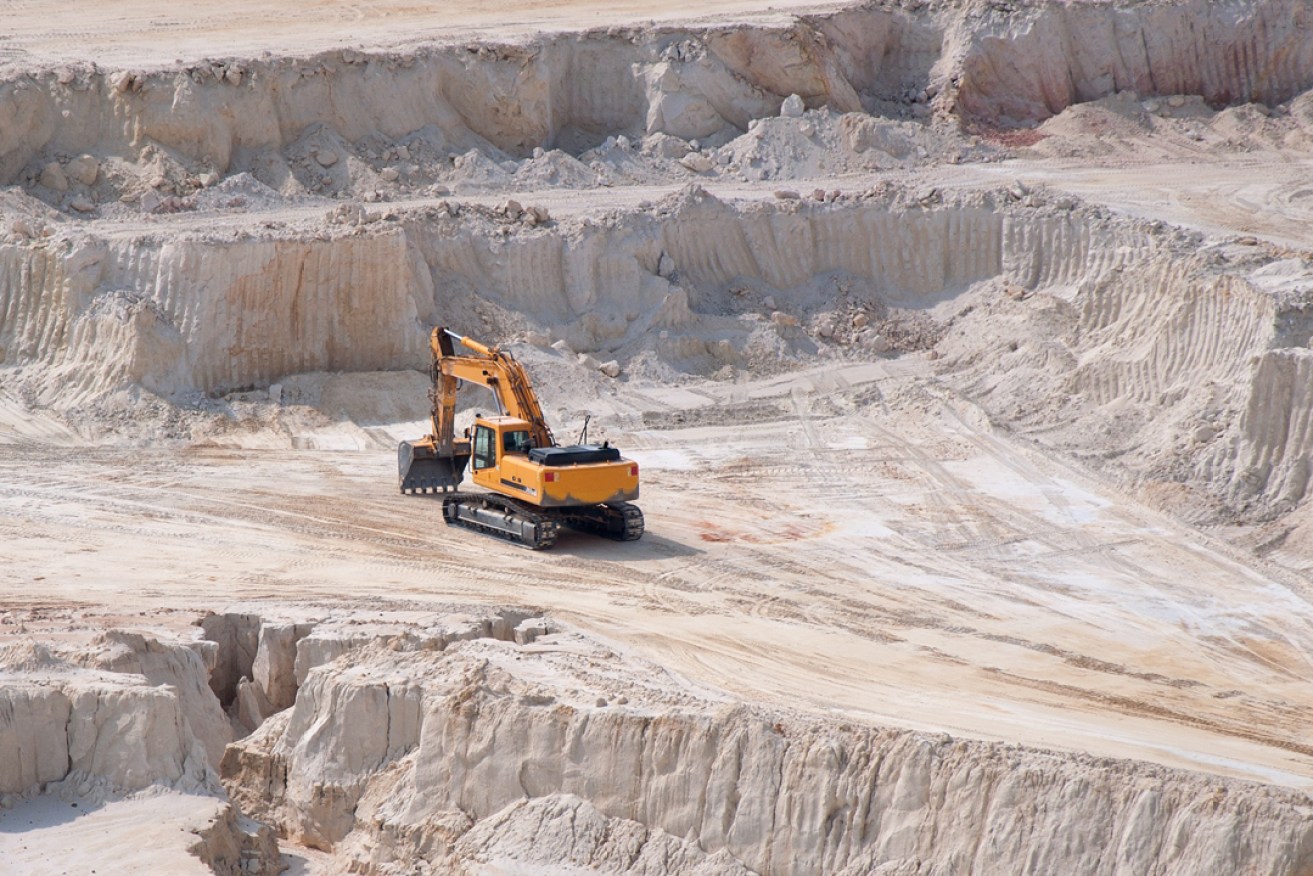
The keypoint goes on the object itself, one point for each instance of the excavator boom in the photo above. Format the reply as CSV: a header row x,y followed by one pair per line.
x,y
436,463
492,368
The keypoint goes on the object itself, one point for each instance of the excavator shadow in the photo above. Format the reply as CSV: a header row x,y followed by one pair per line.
x,y
650,546
586,544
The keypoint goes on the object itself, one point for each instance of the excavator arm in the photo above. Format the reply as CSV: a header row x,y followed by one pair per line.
x,y
436,462
489,367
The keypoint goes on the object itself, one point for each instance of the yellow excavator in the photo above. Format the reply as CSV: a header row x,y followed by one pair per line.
x,y
535,486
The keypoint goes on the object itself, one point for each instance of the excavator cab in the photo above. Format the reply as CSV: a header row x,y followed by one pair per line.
x,y
495,437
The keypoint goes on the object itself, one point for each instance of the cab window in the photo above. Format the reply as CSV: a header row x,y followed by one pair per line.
x,y
516,442
485,448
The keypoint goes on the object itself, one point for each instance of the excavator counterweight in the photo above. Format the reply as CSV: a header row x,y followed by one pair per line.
x,y
534,486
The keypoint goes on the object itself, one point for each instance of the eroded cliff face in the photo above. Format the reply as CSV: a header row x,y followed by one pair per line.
x,y
1019,66
116,729
982,63
469,741
1107,338
488,751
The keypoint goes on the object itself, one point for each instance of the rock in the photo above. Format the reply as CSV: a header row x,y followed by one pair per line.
x,y
879,343
665,265
84,169
697,162
274,668
325,157
389,174
276,393
860,320
783,320
1176,101
52,177
562,346
818,194
252,708
403,153
150,201
83,205
540,215
768,302
143,716
209,179
233,75
793,107
589,362
1151,106
786,195
1203,434
512,209
663,145
610,369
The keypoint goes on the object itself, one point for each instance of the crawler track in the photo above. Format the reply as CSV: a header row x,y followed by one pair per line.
x,y
502,517
621,521
537,528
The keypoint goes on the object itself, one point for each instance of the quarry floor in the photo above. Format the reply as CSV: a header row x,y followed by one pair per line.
x,y
903,564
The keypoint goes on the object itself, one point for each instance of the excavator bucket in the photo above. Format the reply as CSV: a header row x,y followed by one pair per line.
x,y
422,470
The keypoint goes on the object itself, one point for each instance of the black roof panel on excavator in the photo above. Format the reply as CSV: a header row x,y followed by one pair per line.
x,y
577,454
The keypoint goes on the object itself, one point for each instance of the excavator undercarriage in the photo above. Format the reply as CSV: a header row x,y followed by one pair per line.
x,y
537,528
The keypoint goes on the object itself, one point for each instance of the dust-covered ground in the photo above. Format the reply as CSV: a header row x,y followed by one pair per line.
x,y
964,349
